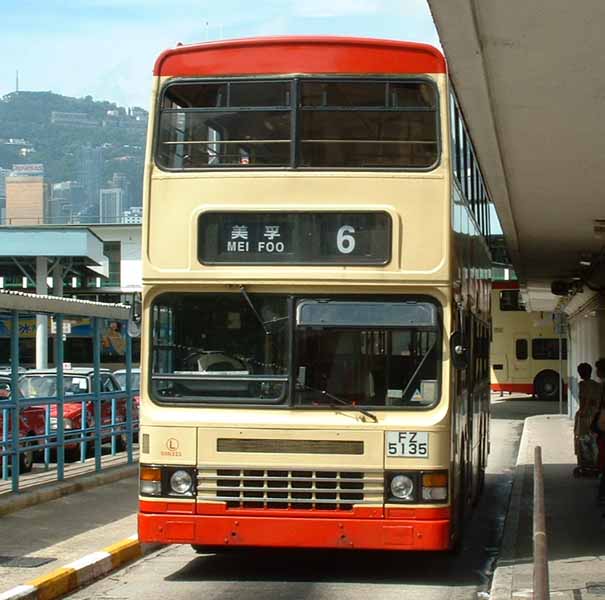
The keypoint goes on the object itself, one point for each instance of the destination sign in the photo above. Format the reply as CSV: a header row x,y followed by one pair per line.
x,y
329,238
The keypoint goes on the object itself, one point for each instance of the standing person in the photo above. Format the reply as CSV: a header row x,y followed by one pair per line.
x,y
600,429
584,438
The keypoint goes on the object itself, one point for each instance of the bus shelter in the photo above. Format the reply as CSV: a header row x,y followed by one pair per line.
x,y
94,429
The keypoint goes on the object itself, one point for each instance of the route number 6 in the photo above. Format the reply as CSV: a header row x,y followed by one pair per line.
x,y
345,242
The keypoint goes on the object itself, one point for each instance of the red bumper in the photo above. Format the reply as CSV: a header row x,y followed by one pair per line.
x,y
295,532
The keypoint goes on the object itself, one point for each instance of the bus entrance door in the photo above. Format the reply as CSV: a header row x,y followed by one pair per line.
x,y
520,373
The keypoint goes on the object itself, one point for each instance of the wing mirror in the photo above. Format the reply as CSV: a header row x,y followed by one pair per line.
x,y
458,351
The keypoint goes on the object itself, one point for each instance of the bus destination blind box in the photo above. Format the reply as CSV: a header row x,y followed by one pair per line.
x,y
296,238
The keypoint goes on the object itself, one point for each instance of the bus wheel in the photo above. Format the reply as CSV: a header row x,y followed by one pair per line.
x,y
546,385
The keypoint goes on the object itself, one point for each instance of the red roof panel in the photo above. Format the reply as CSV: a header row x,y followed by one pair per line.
x,y
299,54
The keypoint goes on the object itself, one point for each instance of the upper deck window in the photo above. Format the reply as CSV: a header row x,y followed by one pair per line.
x,y
225,125
368,124
298,123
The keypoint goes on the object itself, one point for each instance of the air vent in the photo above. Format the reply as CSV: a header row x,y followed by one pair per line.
x,y
289,446
304,490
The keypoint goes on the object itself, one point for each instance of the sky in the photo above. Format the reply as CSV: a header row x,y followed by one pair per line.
x,y
106,48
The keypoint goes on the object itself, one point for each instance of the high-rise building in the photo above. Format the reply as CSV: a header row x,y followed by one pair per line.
x,y
111,205
119,180
26,195
65,197
90,175
3,175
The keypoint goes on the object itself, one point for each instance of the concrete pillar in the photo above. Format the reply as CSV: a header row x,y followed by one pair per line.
x,y
41,320
58,280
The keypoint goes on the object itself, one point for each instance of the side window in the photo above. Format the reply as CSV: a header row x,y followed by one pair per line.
x,y
548,349
510,300
521,349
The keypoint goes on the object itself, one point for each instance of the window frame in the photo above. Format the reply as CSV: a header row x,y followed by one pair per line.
x,y
295,125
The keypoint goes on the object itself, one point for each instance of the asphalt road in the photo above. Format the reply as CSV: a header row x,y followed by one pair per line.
x,y
178,573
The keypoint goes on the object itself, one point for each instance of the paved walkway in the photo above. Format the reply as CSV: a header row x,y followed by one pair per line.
x,y
575,524
42,476
37,540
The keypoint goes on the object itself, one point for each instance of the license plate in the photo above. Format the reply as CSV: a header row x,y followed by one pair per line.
x,y
411,444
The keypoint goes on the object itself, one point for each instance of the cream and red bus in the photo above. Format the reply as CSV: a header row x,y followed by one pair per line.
x,y
316,299
527,354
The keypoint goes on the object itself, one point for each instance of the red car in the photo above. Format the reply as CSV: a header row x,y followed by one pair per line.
x,y
31,422
43,383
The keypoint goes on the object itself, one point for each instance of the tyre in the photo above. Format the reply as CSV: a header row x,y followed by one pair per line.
x,y
26,459
72,454
546,385
121,442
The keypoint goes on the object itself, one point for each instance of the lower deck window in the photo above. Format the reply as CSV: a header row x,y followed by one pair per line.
x,y
264,349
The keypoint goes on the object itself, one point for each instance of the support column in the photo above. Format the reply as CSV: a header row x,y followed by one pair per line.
x,y
58,280
41,320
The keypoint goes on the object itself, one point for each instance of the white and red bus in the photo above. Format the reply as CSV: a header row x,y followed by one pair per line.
x,y
527,354
316,299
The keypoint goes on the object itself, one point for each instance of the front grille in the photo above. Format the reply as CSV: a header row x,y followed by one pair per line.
x,y
280,488
289,446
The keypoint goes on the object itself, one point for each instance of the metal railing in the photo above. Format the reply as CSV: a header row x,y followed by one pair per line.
x,y
540,580
109,416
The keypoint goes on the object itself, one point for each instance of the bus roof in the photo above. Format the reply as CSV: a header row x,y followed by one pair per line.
x,y
300,54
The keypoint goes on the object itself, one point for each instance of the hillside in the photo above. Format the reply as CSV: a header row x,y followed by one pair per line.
x,y
29,116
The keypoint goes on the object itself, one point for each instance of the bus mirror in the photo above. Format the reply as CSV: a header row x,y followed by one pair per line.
x,y
459,354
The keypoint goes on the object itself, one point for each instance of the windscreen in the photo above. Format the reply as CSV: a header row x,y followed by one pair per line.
x,y
368,124
135,380
227,124
270,349
299,123
43,386
368,353
220,348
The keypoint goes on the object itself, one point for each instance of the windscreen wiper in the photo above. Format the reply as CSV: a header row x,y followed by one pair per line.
x,y
418,368
262,322
245,294
338,400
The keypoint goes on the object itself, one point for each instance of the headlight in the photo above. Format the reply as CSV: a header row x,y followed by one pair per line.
x,y
402,487
181,482
53,422
68,424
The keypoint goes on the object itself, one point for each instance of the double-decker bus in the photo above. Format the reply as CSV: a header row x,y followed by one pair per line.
x,y
316,299
527,354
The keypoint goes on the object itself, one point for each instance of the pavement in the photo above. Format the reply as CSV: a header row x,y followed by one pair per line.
x,y
574,522
53,548
36,541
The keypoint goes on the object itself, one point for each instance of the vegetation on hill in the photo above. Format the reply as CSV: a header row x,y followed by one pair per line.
x,y
27,115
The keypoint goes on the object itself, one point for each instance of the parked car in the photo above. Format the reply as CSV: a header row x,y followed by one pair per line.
x,y
135,380
43,383
135,384
31,422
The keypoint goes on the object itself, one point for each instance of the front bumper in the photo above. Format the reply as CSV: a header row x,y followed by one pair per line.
x,y
221,530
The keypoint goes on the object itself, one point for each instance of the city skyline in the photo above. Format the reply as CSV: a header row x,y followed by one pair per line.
x,y
106,48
